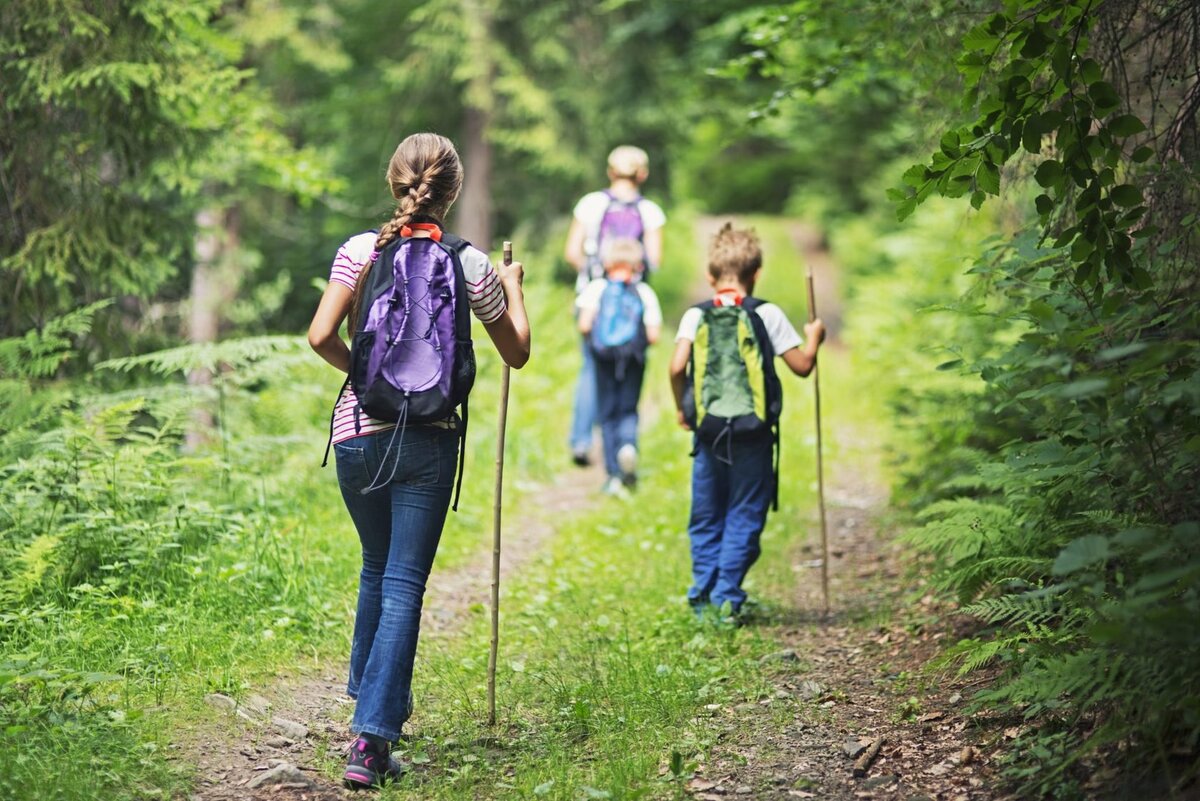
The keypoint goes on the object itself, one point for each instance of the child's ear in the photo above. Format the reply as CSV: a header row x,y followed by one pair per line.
x,y
712,279
643,174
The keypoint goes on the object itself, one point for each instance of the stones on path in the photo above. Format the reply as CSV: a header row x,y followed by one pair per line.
x,y
227,704
876,782
256,705
289,728
853,748
282,775
222,702
810,690
255,710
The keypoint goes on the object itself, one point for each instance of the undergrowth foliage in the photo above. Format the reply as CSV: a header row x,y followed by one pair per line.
x,y
113,535
1069,524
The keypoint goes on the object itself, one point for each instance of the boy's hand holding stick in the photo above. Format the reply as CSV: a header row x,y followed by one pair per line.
x,y
496,506
812,316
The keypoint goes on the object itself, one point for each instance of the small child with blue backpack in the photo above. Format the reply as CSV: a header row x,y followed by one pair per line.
x,y
619,316
618,212
729,396
398,429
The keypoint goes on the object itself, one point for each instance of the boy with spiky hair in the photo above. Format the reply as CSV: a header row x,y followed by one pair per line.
x,y
728,394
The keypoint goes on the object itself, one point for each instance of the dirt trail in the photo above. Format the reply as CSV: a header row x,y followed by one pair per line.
x,y
230,759
839,684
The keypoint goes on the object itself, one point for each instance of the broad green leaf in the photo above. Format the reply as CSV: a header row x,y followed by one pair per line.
x,y
1084,388
1126,125
915,175
988,178
1080,554
1126,195
1048,173
1104,96
980,38
1121,351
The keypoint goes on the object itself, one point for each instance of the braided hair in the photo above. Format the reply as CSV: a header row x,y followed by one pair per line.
x,y
425,176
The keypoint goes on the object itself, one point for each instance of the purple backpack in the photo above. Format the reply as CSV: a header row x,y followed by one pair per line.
x,y
622,220
411,359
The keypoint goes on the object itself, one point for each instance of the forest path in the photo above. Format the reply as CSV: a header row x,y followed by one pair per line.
x,y
838,684
289,729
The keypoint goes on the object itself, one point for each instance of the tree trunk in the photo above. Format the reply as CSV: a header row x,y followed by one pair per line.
x,y
474,217
215,251
475,205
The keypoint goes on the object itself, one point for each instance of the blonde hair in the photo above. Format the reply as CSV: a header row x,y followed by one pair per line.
x,y
734,254
425,176
623,251
628,161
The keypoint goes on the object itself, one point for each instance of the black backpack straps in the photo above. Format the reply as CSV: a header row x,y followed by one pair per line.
x,y
752,305
462,450
771,377
379,280
455,245
332,415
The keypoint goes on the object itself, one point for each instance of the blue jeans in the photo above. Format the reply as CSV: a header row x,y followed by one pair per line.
x,y
399,526
618,387
729,511
584,418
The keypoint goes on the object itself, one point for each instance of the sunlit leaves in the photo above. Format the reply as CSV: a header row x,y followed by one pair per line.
x,y
1045,94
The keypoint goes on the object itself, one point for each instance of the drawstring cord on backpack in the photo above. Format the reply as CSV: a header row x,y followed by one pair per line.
x,y
727,435
399,429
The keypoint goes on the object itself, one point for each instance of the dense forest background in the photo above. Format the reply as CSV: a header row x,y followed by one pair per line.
x,y
1011,188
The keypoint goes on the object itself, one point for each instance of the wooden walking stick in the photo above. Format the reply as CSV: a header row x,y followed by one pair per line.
x,y
812,315
496,506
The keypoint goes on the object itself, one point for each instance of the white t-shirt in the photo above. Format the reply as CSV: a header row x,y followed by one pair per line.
x,y
589,299
590,212
484,293
780,331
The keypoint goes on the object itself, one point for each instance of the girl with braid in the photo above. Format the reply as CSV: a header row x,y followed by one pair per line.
x,y
399,520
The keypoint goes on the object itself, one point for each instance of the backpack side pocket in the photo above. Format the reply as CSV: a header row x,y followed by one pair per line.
x,y
360,357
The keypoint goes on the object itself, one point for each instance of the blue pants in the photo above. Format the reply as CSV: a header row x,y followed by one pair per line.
x,y
618,387
584,417
399,526
729,510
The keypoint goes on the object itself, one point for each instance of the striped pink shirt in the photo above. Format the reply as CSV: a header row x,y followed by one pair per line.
x,y
484,292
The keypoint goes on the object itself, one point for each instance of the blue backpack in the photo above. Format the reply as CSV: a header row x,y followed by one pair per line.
x,y
619,332
412,360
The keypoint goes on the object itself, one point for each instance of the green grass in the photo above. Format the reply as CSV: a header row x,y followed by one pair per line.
x,y
242,564
603,671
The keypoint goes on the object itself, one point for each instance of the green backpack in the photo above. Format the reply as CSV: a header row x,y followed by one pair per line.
x,y
732,390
